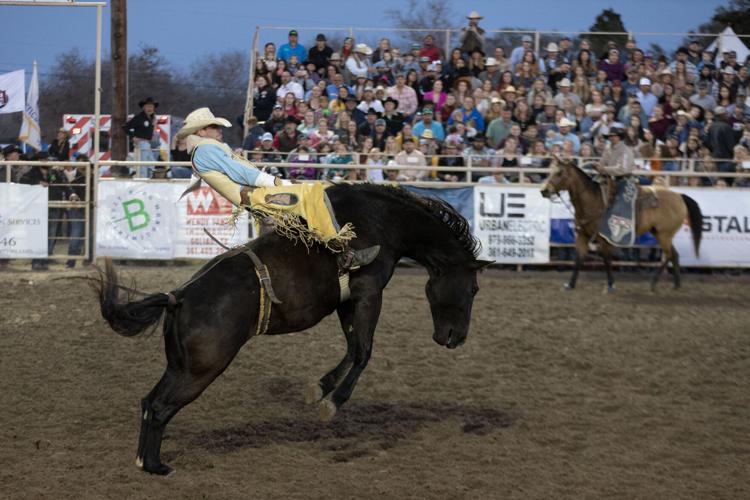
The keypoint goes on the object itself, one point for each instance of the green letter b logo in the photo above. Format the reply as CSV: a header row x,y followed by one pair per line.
x,y
135,214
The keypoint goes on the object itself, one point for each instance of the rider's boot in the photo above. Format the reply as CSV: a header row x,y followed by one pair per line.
x,y
351,260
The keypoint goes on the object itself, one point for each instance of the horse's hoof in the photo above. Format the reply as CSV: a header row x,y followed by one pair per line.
x,y
610,290
567,287
313,393
139,462
159,469
327,410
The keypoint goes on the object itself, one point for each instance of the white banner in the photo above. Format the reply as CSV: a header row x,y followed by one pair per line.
x,y
147,220
512,223
12,87
135,220
726,228
205,208
30,133
23,221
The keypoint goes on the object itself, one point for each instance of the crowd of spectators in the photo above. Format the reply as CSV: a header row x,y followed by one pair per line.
x,y
493,106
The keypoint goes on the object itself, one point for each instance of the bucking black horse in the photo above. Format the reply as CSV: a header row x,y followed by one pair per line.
x,y
214,314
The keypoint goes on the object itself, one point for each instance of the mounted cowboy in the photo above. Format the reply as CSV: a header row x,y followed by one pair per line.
x,y
301,212
618,163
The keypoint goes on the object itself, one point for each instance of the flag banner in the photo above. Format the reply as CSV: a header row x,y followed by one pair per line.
x,y
512,223
12,89
139,220
23,221
30,132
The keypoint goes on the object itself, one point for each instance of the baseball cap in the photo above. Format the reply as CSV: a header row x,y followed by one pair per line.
x,y
292,32
380,121
427,111
526,38
644,81
415,46
720,110
266,137
278,106
424,59
320,38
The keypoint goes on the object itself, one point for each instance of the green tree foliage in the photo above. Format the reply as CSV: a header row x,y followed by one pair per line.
x,y
607,21
736,15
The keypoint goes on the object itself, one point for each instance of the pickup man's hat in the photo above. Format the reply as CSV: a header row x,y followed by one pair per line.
x,y
148,100
199,119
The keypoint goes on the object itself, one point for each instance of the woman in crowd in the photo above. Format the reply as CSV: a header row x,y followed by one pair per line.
x,y
586,64
435,97
60,148
264,98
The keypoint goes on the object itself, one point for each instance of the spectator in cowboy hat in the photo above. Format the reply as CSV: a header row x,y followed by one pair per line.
x,y
320,54
472,36
141,129
292,48
491,72
358,63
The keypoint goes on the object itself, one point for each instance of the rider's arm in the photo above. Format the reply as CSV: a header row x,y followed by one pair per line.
x,y
623,166
209,157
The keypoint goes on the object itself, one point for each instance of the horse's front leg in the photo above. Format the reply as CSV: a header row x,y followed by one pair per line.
x,y
328,382
366,311
582,248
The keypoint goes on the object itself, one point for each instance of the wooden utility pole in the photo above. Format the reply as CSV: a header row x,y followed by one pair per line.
x,y
119,29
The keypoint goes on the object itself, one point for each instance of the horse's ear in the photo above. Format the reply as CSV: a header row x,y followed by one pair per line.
x,y
479,265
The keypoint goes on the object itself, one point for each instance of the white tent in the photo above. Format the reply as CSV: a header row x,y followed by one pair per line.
x,y
728,40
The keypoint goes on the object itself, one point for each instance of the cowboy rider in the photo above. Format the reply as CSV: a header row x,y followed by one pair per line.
x,y
618,159
235,179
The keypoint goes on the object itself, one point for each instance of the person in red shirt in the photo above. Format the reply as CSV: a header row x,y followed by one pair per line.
x,y
430,50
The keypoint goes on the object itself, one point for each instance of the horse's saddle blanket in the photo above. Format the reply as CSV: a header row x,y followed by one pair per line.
x,y
618,223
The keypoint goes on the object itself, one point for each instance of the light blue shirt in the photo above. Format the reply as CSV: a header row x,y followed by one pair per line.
x,y
286,51
210,157
437,130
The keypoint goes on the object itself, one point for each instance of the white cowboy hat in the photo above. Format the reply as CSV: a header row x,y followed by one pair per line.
x,y
474,15
552,47
491,61
201,118
564,122
362,48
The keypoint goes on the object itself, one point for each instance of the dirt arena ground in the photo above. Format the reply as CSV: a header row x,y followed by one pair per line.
x,y
555,395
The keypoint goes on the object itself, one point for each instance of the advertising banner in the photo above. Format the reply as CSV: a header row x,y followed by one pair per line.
x,y
145,220
204,208
726,228
512,223
23,221
136,220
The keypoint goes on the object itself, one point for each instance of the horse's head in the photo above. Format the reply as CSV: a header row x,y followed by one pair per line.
x,y
451,292
559,178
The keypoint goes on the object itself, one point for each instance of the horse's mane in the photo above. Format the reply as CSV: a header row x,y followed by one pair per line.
x,y
435,207
588,181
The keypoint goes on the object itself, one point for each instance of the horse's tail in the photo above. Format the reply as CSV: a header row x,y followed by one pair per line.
x,y
127,318
696,222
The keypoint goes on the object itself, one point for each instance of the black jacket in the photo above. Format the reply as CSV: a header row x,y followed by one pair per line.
x,y
141,126
263,103
721,140
319,58
59,152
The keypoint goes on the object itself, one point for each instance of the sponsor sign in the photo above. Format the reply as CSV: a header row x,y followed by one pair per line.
x,y
726,228
23,221
205,208
139,220
512,223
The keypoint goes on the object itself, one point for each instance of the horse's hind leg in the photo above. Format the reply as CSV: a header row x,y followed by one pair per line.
x,y
666,256
192,366
607,256
328,382
582,248
676,267
365,318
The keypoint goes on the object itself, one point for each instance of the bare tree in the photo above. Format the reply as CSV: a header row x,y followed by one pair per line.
x,y
419,15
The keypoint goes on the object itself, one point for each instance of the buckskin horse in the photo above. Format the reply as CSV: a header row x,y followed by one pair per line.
x,y
209,318
663,218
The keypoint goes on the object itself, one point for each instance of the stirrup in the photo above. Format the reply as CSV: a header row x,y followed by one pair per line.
x,y
351,260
